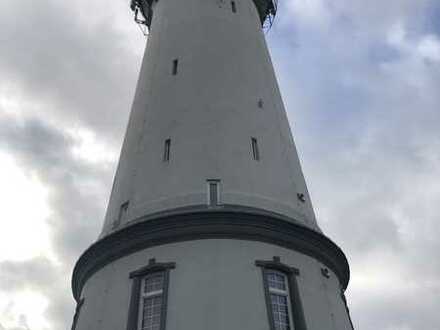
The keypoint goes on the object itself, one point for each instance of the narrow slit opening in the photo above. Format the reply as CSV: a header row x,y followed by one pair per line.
x,y
166,152
233,7
255,151
175,64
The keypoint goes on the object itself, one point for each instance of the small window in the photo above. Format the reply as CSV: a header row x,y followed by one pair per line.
x,y
151,300
255,151
233,7
166,151
123,211
278,287
122,214
213,192
260,103
175,64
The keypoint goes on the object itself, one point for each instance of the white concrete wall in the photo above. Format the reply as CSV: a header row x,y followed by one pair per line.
x,y
214,286
210,111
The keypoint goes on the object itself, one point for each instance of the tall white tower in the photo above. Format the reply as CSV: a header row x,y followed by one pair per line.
x,y
209,225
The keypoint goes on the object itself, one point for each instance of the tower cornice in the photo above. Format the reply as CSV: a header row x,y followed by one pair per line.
x,y
203,222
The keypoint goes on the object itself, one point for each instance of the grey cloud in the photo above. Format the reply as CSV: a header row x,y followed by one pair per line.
x,y
367,131
402,310
46,151
75,73
77,210
39,275
16,275
364,115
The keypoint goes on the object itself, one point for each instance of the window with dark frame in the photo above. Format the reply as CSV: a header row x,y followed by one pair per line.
x,y
280,300
175,64
255,151
148,303
284,307
166,151
233,7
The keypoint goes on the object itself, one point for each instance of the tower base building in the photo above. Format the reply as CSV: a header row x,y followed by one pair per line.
x,y
209,223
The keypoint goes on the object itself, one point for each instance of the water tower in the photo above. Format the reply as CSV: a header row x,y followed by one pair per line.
x,y
209,224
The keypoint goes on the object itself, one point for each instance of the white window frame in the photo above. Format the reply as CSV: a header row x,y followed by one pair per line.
x,y
143,295
217,183
285,293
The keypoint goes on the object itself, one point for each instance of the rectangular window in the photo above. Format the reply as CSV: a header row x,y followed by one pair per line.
x,y
278,287
233,7
283,301
255,151
151,300
166,151
175,64
149,296
213,192
123,210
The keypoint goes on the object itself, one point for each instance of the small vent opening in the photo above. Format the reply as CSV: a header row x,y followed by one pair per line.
x,y
166,151
255,150
175,65
233,7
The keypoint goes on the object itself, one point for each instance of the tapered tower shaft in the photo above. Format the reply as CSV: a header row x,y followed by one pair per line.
x,y
207,86
209,223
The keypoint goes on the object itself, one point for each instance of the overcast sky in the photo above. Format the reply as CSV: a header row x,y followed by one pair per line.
x,y
361,84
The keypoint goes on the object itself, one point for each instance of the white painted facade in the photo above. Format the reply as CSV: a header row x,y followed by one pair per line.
x,y
222,94
210,111
214,286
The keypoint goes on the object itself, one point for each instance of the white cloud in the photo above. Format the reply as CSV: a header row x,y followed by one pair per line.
x,y
24,213
429,47
88,148
24,310
313,12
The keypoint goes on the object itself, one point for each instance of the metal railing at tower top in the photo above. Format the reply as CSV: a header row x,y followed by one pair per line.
x,y
142,7
143,12
267,10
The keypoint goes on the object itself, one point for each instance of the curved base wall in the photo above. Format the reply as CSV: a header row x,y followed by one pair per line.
x,y
215,285
214,259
